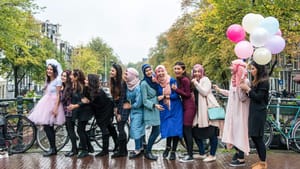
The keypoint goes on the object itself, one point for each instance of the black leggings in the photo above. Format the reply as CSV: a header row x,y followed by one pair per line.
x,y
188,138
50,133
175,140
260,147
84,140
70,126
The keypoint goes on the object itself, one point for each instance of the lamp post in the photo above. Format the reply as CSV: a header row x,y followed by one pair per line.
x,y
105,69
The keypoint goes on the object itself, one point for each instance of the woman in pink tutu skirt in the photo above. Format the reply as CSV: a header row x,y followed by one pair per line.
x,y
49,110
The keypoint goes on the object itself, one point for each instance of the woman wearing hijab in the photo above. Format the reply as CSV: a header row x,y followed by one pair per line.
x,y
151,108
135,104
204,99
171,116
236,120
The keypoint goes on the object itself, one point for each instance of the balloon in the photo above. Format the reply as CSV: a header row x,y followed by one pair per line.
x,y
235,33
243,49
258,37
279,33
262,56
275,44
251,21
271,24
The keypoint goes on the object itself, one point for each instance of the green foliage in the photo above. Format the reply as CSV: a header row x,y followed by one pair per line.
x,y
200,36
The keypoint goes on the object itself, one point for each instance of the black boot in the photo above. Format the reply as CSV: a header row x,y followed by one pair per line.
x,y
113,133
122,152
51,152
104,151
72,153
150,156
166,152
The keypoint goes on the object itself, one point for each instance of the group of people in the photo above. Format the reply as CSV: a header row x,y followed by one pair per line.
x,y
172,107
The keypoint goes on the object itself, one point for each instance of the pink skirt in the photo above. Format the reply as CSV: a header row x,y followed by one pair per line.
x,y
41,114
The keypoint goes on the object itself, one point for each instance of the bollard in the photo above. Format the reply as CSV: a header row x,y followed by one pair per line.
x,y
20,104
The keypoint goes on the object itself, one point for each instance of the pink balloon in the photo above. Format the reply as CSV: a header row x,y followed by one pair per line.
x,y
235,33
243,49
279,33
275,44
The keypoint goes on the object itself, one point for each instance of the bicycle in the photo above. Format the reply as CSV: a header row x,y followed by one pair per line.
x,y
93,131
19,131
289,129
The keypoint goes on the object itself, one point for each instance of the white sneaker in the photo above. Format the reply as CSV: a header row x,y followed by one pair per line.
x,y
199,156
185,159
210,159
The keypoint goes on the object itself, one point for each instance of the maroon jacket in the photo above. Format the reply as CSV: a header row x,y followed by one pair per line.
x,y
189,107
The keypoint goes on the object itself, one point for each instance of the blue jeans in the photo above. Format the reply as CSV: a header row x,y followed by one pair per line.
x,y
138,143
213,141
154,134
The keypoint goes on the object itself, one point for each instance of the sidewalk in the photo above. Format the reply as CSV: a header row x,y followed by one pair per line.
x,y
277,159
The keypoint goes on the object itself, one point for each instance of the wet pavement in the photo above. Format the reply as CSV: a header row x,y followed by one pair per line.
x,y
277,159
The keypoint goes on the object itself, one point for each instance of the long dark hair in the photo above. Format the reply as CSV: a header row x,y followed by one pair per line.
x,y
261,74
55,72
94,84
115,83
67,88
78,87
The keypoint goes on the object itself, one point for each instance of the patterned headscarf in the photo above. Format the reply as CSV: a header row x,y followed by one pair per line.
x,y
148,79
132,78
239,71
164,83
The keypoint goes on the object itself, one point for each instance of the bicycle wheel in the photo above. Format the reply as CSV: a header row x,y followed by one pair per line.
x,y
61,138
268,134
296,137
95,135
21,133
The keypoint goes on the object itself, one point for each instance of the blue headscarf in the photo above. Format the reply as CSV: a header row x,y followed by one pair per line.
x,y
148,79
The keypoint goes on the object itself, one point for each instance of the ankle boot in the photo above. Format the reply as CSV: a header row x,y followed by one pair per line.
x,y
172,156
122,152
104,147
166,152
51,152
259,165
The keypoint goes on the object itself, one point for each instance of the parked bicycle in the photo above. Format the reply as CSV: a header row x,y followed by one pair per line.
x,y
93,131
283,120
19,131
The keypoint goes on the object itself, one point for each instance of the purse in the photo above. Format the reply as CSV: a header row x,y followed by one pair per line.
x,y
216,113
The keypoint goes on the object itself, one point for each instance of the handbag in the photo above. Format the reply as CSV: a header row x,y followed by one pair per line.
x,y
216,113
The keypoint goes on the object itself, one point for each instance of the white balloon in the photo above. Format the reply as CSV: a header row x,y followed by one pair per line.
x,y
251,21
259,37
262,56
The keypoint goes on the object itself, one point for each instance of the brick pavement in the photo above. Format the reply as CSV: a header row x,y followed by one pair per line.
x,y
277,159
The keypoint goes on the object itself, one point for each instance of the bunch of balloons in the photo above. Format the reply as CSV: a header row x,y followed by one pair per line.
x,y
264,38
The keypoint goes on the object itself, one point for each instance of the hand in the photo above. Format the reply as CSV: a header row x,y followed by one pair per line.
x,y
126,105
159,107
216,87
161,97
85,100
118,117
71,107
245,87
54,112
174,87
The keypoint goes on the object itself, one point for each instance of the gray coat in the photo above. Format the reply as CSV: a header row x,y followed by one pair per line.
x,y
151,114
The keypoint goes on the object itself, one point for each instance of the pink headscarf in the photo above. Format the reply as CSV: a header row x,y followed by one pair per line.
x,y
199,68
164,83
239,72
132,78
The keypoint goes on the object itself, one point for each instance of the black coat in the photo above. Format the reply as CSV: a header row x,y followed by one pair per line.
x,y
103,107
258,108
84,112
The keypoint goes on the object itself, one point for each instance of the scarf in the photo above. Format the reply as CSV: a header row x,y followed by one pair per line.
x,y
132,78
149,79
164,82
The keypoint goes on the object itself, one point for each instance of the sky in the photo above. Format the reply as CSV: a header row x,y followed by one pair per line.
x,y
129,27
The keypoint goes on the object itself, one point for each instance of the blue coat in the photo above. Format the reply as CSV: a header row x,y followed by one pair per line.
x,y
151,114
137,126
171,120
